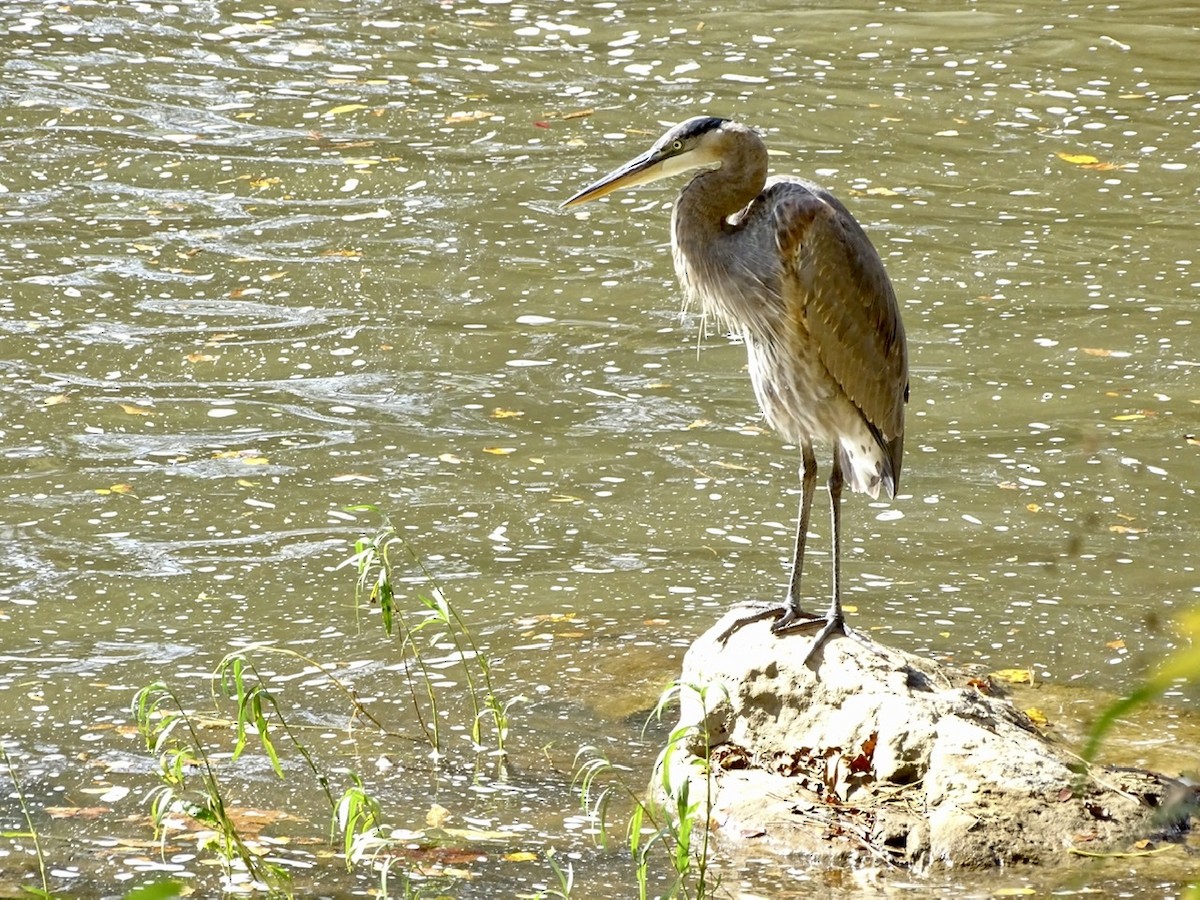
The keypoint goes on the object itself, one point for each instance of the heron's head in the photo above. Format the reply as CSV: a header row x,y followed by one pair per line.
x,y
698,143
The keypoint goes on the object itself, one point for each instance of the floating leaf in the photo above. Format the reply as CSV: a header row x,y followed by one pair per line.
x,y
1014,676
55,400
1033,507
500,451
76,812
499,413
136,410
1126,529
1037,717
520,856
450,458
116,489
248,456
265,182
1129,417
1087,161
463,117
1118,644
345,108
202,357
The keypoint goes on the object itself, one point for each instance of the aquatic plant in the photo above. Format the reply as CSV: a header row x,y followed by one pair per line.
x,y
671,818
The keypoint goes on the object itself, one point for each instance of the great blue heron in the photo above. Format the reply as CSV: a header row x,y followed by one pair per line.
x,y
782,263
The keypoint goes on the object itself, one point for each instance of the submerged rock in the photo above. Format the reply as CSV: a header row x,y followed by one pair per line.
x,y
875,755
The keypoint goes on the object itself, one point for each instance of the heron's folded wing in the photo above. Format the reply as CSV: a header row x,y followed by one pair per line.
x,y
836,287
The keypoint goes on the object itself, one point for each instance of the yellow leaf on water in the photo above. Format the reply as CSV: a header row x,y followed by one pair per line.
x,y
450,458
1118,644
345,108
475,115
1126,529
881,192
264,182
116,489
1033,507
499,413
1014,892
1087,161
202,357
1014,676
1078,159
136,410
1129,417
500,451
55,400
248,456
1037,717
520,856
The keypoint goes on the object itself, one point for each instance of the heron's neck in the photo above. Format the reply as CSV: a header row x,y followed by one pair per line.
x,y
722,264
712,197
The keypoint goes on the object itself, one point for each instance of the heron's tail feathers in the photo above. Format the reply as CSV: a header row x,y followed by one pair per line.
x,y
876,471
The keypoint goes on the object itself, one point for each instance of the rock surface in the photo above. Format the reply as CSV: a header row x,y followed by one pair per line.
x,y
874,755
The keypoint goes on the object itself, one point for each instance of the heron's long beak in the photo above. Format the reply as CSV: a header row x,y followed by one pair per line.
x,y
639,170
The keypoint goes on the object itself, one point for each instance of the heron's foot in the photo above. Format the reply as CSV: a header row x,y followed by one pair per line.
x,y
786,616
830,625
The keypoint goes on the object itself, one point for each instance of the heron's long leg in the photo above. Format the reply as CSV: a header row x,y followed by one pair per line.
x,y
790,616
808,486
835,622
